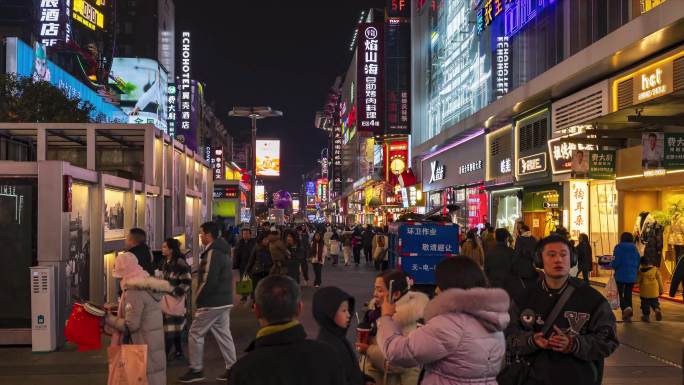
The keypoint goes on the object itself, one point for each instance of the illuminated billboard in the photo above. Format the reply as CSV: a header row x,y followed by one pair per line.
x,y
32,62
142,87
268,157
85,13
260,194
295,205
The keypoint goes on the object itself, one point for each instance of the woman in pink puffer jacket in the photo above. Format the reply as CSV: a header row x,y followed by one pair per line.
x,y
462,341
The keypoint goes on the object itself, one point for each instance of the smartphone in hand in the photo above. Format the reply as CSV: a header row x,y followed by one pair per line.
x,y
390,296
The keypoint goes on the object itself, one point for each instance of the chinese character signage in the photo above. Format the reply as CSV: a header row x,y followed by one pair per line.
x,y
370,92
561,154
397,67
171,104
421,269
396,160
579,208
337,159
217,162
502,66
54,21
185,86
470,167
268,157
602,164
428,239
322,190
437,171
516,13
674,151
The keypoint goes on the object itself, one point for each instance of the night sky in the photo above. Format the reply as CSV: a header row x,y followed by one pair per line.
x,y
283,54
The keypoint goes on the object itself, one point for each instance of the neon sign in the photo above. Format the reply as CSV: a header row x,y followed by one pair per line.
x,y
517,13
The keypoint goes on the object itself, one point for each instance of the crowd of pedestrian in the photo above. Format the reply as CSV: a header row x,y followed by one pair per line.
x,y
506,310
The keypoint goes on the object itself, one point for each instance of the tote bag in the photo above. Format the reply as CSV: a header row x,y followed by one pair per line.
x,y
612,294
243,286
127,365
173,306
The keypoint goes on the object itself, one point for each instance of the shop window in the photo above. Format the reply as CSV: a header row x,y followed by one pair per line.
x,y
604,218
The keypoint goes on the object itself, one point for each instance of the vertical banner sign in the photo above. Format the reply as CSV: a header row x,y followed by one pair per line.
x,y
54,21
579,208
501,66
397,67
370,68
337,159
602,164
190,135
674,151
185,89
171,103
324,167
217,163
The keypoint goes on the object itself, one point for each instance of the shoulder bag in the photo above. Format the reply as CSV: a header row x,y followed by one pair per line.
x,y
517,369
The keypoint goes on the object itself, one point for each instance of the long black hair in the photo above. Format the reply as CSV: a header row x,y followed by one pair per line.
x,y
174,245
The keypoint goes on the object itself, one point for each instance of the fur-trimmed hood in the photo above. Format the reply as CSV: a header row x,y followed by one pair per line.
x,y
155,286
410,308
489,306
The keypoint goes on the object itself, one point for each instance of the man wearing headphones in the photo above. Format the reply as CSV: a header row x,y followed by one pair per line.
x,y
561,326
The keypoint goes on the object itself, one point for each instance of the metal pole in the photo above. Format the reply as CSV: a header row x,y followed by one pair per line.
x,y
252,220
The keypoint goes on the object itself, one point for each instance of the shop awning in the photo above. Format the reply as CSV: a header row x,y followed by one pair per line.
x,y
628,123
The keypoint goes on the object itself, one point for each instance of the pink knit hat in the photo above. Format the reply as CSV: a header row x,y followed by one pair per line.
x,y
126,267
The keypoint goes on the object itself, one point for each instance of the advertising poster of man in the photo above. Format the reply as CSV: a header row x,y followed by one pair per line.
x,y
652,152
580,164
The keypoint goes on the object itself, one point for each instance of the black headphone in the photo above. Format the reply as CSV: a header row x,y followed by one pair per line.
x,y
554,238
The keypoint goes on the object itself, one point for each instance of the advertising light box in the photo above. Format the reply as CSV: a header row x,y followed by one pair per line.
x,y
22,60
142,85
268,157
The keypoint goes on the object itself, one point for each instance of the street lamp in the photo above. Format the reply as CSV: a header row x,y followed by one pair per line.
x,y
254,113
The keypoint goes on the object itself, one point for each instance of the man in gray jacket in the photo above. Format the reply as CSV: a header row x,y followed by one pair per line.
x,y
214,301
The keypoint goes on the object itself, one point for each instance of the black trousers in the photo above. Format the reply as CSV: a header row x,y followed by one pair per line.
x,y
367,251
305,269
318,272
625,292
649,303
175,342
256,277
357,255
679,251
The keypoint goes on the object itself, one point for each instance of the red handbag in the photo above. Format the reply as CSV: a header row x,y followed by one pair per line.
x,y
83,329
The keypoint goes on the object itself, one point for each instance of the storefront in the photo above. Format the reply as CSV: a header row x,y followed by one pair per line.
x,y
644,124
585,168
504,197
454,176
541,198
117,177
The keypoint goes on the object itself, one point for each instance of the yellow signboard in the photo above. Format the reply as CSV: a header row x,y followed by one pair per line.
x,y
88,15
